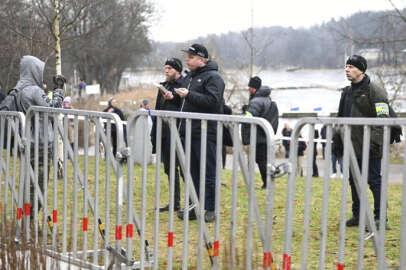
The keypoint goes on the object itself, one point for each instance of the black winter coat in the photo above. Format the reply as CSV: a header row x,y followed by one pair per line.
x,y
206,90
167,105
367,100
261,105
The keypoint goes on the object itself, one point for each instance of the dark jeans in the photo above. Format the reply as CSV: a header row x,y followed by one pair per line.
x,y
260,159
210,170
334,160
374,182
315,168
166,159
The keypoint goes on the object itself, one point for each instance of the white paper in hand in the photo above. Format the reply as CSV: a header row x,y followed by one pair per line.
x,y
161,88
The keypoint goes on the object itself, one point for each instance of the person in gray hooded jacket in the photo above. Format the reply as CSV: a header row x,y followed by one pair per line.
x,y
30,93
260,105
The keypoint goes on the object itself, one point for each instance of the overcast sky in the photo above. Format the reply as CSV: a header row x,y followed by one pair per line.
x,y
181,20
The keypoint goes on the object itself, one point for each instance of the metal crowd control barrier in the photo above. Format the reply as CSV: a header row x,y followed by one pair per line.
x,y
378,237
147,196
68,223
12,127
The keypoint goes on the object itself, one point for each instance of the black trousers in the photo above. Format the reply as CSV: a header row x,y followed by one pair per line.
x,y
374,182
260,159
210,187
166,159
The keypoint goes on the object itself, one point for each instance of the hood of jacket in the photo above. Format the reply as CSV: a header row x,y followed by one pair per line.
x,y
264,91
31,72
210,66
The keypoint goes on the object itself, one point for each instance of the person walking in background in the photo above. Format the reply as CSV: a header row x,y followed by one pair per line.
x,y
286,132
112,108
260,105
364,98
168,101
204,94
82,87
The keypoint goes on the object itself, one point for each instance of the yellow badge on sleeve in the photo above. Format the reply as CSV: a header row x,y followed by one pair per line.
x,y
382,109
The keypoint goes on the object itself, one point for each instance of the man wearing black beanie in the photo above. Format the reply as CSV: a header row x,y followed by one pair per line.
x,y
169,101
363,98
260,105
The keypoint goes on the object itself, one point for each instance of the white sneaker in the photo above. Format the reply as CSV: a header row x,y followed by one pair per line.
x,y
333,175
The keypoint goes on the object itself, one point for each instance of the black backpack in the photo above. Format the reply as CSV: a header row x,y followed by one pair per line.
x,y
9,103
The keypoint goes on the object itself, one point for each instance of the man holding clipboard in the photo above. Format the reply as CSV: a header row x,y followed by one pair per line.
x,y
168,100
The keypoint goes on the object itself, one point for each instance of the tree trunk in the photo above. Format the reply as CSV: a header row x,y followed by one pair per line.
x,y
57,38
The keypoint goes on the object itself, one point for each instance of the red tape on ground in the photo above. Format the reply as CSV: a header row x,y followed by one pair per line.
x,y
119,232
170,239
85,222
340,266
286,262
27,209
54,216
216,248
19,213
129,231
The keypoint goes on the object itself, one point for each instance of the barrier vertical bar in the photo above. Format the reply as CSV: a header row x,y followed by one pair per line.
x,y
344,194
36,176
326,187
234,195
290,200
96,198
187,194
383,202
158,144
15,157
172,124
65,185
107,149
144,191
55,183
363,195
308,197
202,191
2,186
45,183
75,184
219,164
26,200
251,194
7,171
85,182
402,251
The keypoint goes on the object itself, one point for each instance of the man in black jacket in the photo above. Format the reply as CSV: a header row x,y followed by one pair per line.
x,y
364,98
169,101
260,105
204,94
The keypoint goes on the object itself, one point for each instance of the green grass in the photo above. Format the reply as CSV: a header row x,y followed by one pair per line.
x,y
392,235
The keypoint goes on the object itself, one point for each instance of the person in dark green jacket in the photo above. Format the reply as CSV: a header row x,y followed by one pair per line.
x,y
363,98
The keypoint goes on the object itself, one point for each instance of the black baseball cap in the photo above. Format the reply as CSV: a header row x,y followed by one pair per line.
x,y
197,49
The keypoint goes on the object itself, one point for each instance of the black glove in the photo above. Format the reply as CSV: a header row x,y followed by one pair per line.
x,y
59,81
